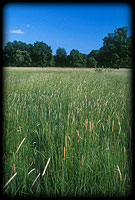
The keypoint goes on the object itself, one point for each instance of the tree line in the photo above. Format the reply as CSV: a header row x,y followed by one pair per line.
x,y
116,52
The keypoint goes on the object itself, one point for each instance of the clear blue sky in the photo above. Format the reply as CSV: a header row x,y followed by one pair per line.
x,y
80,26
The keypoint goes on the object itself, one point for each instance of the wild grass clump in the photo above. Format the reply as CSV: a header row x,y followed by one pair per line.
x,y
99,69
66,133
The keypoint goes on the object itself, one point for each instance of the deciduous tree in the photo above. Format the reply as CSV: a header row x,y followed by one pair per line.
x,y
75,58
91,62
61,57
22,58
41,54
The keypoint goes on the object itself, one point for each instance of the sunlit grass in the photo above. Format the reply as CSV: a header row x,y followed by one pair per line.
x,y
80,120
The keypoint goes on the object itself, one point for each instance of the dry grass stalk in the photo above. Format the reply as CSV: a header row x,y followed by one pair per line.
x,y
65,141
69,138
118,119
112,125
86,124
46,167
119,172
35,179
60,106
92,126
64,153
89,168
98,122
103,111
103,127
120,130
20,145
31,171
9,180
78,134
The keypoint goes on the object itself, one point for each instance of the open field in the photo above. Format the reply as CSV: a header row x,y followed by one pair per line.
x,y
67,132
61,69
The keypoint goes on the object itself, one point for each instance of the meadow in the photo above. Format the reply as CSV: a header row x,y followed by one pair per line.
x,y
67,133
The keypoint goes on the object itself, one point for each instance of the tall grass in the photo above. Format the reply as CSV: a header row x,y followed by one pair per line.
x,y
79,121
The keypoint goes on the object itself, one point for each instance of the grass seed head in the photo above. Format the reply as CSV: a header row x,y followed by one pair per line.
x,y
35,179
46,167
9,180
20,145
86,124
64,153
112,125
119,172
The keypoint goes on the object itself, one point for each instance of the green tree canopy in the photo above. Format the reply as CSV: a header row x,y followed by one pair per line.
x,y
22,58
115,48
10,51
91,62
75,58
41,54
116,52
97,55
61,57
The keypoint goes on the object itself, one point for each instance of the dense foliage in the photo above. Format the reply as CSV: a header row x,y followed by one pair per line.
x,y
116,52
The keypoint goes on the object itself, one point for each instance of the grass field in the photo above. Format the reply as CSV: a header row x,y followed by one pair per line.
x,y
67,133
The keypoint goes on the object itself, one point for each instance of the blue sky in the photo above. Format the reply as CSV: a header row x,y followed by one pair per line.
x,y
80,26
